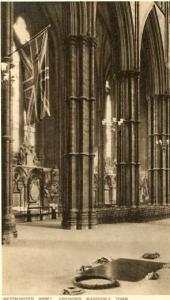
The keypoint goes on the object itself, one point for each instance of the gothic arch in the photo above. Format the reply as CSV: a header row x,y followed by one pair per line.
x,y
79,18
155,53
145,9
126,34
115,53
153,72
120,24
19,173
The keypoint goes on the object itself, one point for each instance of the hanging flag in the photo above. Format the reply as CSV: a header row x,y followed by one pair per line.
x,y
35,60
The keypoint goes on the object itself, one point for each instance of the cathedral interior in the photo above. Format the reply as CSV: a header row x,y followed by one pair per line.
x,y
89,145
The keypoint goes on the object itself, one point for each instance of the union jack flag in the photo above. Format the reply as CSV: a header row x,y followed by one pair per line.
x,y
35,60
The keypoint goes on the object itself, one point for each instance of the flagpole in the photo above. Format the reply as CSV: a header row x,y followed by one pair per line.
x,y
23,46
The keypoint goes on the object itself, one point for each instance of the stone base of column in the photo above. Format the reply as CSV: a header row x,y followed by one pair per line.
x,y
87,219
79,220
69,219
9,231
83,220
92,219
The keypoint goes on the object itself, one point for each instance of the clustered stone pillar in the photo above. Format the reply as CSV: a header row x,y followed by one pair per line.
x,y
8,220
159,150
128,139
168,152
79,207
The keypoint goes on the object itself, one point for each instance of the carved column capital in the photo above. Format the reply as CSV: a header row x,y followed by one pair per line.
x,y
78,39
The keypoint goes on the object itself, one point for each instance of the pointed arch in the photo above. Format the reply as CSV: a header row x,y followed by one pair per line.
x,y
126,35
79,18
155,52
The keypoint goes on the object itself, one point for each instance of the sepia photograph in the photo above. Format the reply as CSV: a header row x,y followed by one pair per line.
x,y
85,150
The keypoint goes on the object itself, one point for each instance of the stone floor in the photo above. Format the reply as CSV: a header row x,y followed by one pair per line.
x,y
45,258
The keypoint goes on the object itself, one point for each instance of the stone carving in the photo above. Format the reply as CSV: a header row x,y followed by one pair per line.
x,y
108,181
54,174
4,73
110,166
27,156
19,175
143,187
34,191
54,191
107,185
33,156
34,186
47,192
47,178
22,155
19,186
110,188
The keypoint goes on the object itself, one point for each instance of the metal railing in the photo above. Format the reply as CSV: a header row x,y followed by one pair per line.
x,y
41,211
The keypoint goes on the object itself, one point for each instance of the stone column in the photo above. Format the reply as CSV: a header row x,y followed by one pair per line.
x,y
154,157
149,147
79,210
128,139
92,208
101,165
8,220
159,112
168,151
167,61
159,153
165,135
